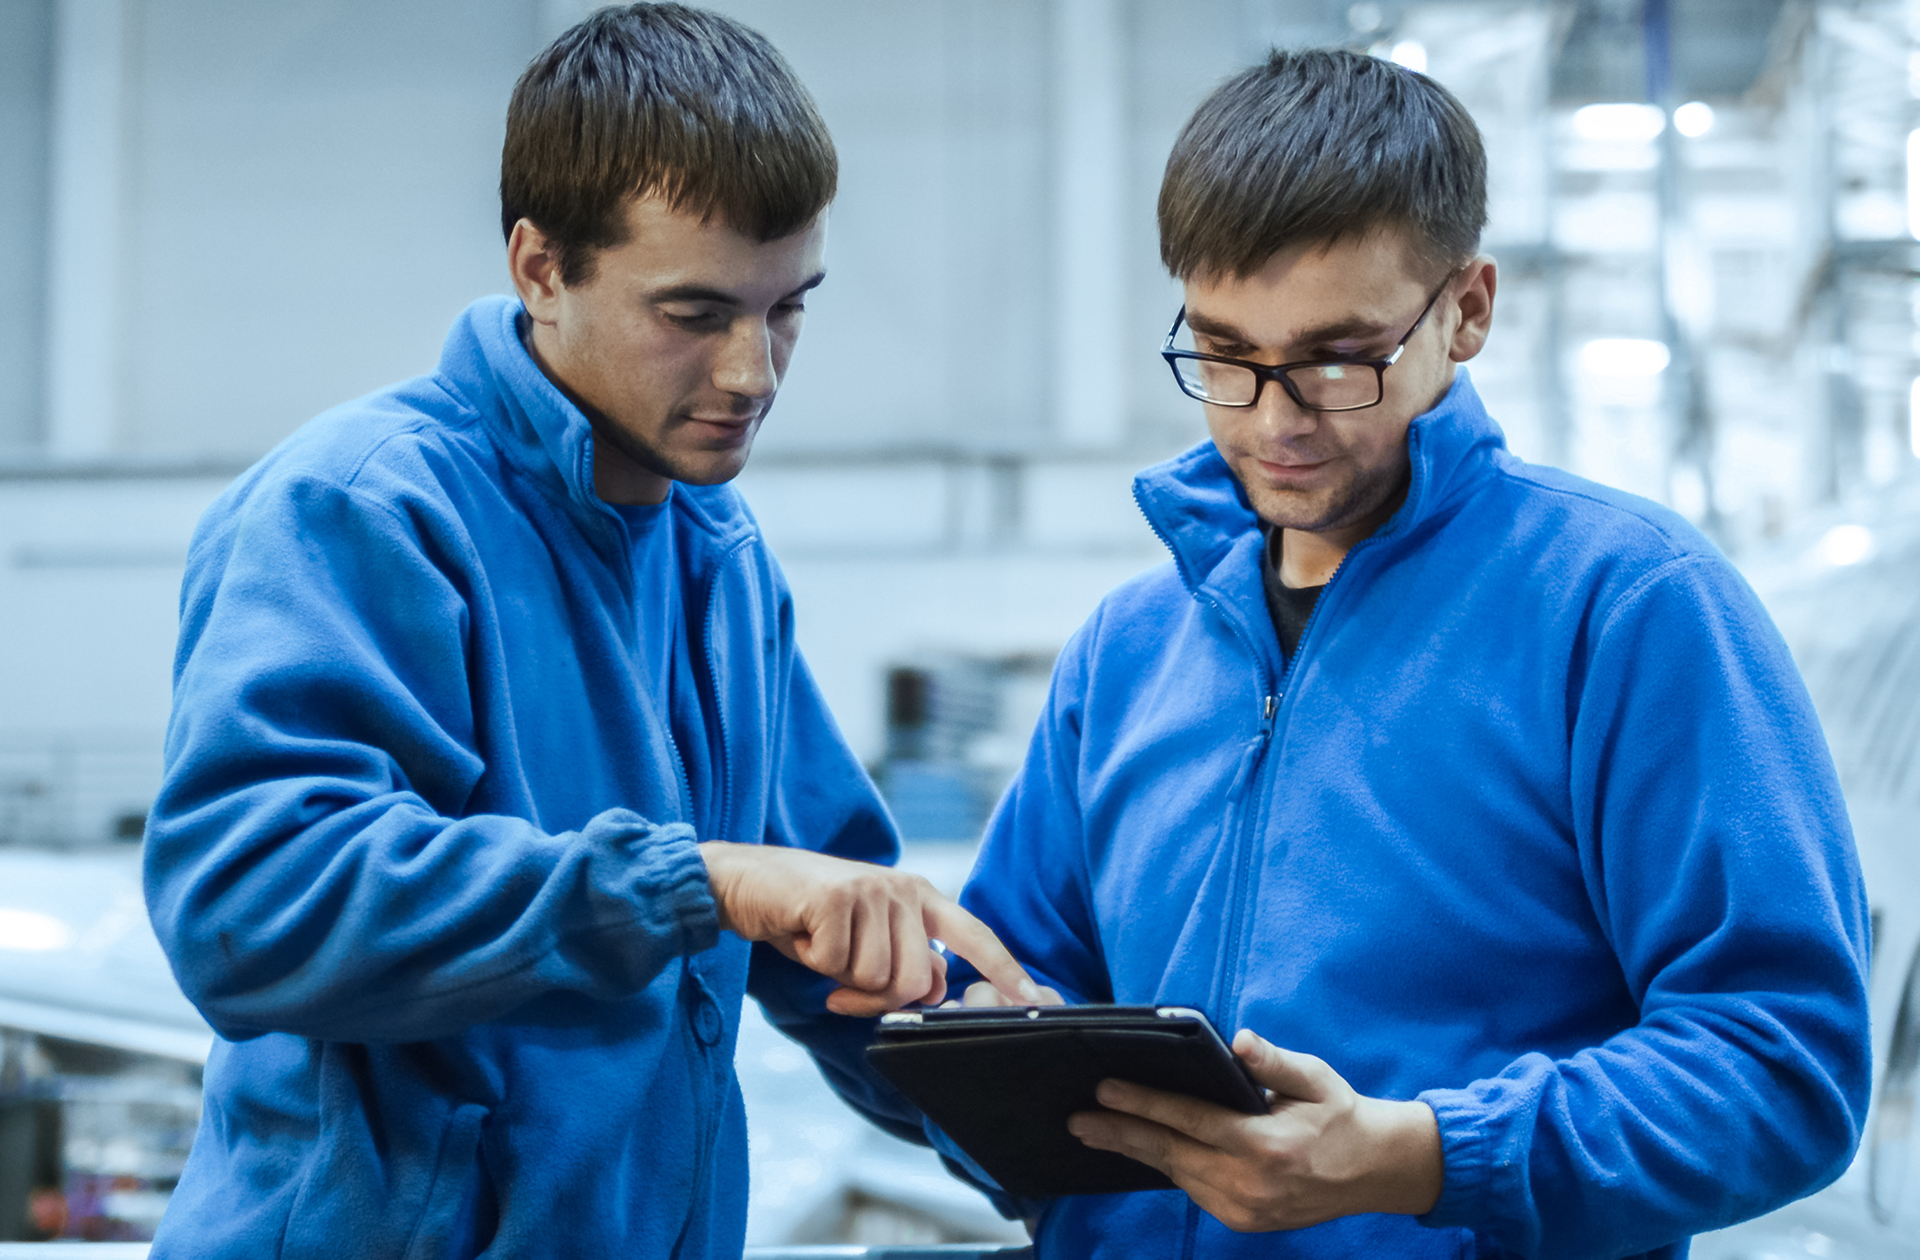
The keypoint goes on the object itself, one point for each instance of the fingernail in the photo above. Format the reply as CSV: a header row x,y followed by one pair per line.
x,y
1107,1092
1078,1127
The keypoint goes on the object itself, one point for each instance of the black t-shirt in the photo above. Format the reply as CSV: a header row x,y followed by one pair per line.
x,y
1289,606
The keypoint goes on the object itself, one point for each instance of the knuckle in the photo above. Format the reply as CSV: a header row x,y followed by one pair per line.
x,y
1271,1148
1238,1219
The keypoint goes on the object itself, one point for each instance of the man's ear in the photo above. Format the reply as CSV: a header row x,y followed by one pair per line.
x,y
534,263
1477,284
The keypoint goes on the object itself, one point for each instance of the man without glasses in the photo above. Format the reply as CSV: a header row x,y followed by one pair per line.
x,y
1489,793
491,750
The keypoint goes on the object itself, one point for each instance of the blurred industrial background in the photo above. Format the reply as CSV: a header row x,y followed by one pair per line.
x,y
223,216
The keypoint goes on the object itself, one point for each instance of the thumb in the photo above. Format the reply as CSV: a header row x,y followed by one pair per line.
x,y
1287,1073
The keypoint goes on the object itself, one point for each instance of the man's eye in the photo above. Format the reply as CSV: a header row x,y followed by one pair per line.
x,y
787,310
695,321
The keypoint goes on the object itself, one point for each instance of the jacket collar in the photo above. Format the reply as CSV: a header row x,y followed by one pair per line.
x,y
1196,505
542,433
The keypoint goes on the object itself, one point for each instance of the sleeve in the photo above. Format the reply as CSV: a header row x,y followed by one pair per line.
x,y
306,869
1718,858
824,800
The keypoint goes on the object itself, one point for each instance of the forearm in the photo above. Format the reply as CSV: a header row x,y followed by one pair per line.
x,y
1660,1133
384,922
1405,1168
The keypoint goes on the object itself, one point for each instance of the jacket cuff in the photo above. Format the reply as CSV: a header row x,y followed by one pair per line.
x,y
1467,1152
662,879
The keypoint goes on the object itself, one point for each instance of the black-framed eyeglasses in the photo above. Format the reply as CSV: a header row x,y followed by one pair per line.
x,y
1349,384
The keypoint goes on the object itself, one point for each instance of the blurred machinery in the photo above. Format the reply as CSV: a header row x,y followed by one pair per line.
x,y
100,1054
957,728
1846,594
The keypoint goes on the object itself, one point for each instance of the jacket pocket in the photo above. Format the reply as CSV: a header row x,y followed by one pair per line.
x,y
450,1224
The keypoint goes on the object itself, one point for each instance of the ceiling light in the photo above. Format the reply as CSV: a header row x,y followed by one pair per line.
x,y
1846,544
1693,119
1624,356
1619,122
32,932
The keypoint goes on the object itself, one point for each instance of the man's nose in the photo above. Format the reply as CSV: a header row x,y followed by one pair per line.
x,y
1277,415
745,363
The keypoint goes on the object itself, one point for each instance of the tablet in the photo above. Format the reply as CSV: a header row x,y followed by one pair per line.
x,y
1001,1082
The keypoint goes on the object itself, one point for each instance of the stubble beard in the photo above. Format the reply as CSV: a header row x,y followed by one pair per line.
x,y
725,466
1373,493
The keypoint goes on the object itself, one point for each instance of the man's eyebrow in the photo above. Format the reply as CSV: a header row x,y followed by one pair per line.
x,y
1352,329
694,293
720,297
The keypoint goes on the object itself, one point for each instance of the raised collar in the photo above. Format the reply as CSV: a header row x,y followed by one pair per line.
x,y
545,436
1197,506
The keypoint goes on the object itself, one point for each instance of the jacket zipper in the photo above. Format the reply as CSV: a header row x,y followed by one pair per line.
x,y
1241,838
662,715
1282,697
709,1055
725,816
1239,895
706,1100
1257,795
710,1098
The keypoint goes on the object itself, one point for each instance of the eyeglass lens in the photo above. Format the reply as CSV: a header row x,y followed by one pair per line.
x,y
1332,386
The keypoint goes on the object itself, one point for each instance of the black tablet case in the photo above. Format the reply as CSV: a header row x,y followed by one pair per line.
x,y
1003,1090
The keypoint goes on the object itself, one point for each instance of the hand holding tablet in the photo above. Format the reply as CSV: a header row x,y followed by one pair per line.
x,y
1003,1081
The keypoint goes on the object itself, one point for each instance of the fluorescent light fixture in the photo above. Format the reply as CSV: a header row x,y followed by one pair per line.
x,y
1846,544
1412,54
1913,417
1624,357
1693,119
1623,122
30,931
1913,184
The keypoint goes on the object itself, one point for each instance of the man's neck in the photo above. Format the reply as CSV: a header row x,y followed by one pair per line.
x,y
1309,557
616,477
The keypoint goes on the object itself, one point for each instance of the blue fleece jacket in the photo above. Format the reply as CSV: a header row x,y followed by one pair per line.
x,y
1538,827
425,853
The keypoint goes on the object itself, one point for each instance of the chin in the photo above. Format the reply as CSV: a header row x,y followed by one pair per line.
x,y
712,470
1295,510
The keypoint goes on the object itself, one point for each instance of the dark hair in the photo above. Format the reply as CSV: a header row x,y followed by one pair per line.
x,y
1316,145
668,100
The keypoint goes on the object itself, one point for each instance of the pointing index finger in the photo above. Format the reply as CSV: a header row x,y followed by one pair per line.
x,y
974,941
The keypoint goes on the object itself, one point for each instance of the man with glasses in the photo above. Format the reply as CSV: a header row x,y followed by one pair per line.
x,y
1482,804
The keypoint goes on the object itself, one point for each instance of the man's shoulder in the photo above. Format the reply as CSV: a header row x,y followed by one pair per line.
x,y
1579,531
1134,616
410,442
1149,593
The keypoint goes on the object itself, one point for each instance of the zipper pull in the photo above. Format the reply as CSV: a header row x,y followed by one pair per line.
x,y
1271,707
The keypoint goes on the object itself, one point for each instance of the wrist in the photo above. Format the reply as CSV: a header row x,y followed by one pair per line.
x,y
721,857
1408,1169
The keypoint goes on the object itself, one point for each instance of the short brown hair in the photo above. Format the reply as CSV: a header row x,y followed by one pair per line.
x,y
1316,145
668,100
